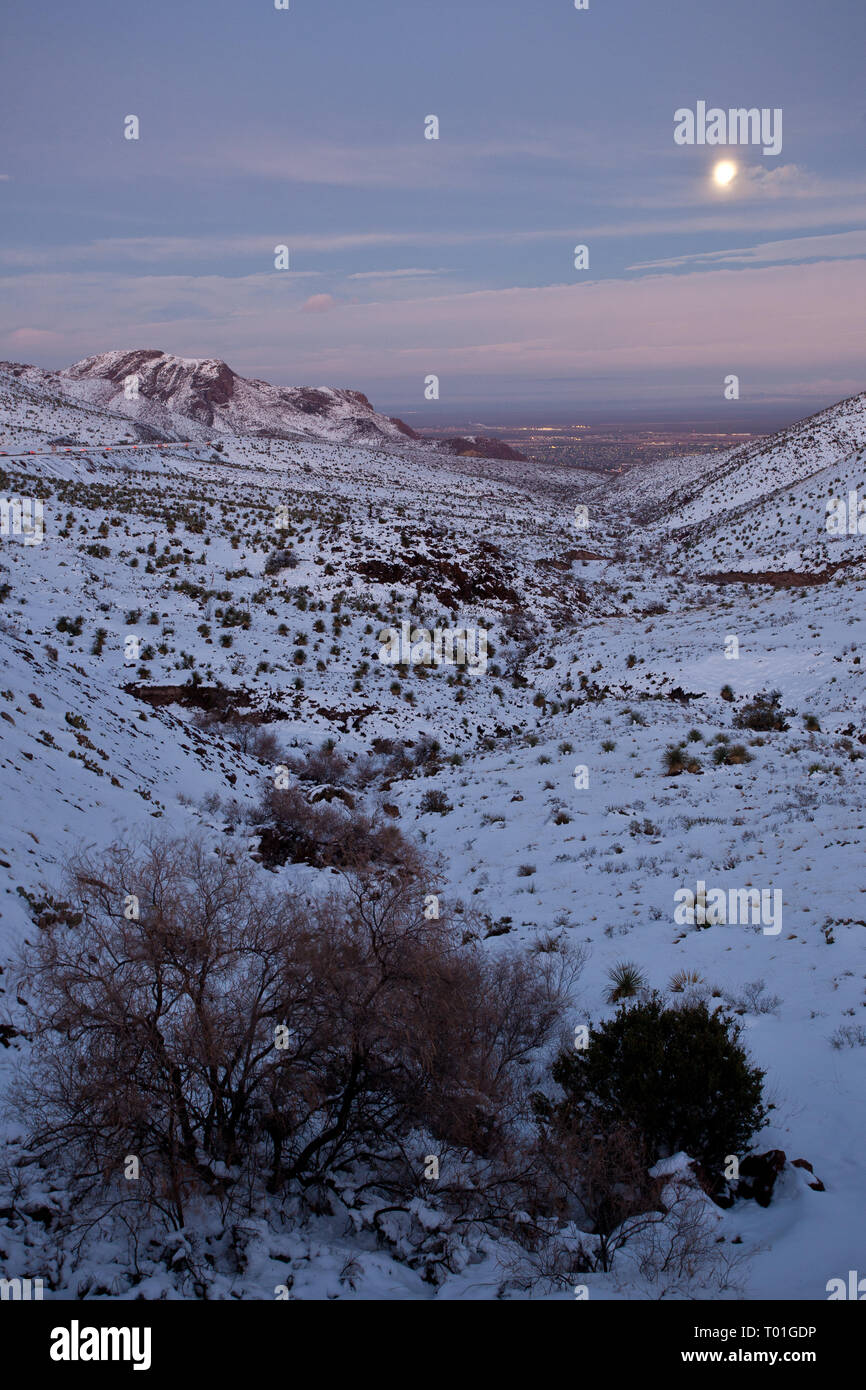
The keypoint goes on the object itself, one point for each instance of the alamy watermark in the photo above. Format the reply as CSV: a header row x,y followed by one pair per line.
x,y
737,906
22,516
441,646
77,1343
846,516
20,1289
736,126
855,1288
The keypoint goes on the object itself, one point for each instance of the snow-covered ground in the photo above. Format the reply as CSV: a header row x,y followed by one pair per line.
x,y
607,645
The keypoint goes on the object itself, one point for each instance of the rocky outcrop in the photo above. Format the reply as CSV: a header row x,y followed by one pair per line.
x,y
479,446
206,390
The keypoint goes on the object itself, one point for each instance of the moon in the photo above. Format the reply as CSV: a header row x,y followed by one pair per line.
x,y
724,172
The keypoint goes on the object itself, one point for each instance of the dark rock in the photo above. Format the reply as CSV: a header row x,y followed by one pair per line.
x,y
758,1174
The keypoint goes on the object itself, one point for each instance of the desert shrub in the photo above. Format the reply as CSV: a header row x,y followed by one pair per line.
x,y
323,764
245,731
425,751
238,1040
763,714
753,999
677,760
280,560
848,1035
729,755
257,740
324,834
679,1076
683,980
435,801
597,1177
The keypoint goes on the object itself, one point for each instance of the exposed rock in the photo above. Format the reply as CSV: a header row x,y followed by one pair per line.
x,y
758,1174
817,1185
479,446
329,794
170,389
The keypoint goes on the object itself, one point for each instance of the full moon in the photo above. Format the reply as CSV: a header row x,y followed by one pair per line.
x,y
724,172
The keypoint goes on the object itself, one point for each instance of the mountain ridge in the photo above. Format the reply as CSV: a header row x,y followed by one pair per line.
x,y
158,390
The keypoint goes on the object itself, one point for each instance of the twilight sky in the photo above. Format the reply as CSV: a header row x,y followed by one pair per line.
x,y
305,127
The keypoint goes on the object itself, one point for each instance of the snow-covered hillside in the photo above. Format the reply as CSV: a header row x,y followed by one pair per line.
x,y
763,507
254,581
163,392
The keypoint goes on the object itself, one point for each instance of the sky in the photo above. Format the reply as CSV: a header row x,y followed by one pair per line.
x,y
412,257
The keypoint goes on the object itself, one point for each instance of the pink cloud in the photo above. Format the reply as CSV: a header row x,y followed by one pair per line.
x,y
318,304
34,337
782,324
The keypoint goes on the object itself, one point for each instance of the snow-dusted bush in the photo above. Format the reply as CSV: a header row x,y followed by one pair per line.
x,y
280,560
197,1036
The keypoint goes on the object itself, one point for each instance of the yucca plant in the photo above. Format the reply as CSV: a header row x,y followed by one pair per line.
x,y
674,760
683,980
678,760
731,754
627,981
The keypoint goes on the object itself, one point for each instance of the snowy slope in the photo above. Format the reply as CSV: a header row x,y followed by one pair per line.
x,y
607,645
166,393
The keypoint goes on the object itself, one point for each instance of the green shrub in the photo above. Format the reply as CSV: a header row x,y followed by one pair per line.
x,y
678,1076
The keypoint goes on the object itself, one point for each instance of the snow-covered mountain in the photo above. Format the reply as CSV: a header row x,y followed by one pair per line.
x,y
163,392
207,391
170,397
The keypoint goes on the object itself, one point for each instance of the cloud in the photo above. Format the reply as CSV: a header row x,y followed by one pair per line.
x,y
28,338
260,249
832,246
257,250
379,161
414,273
769,324
318,304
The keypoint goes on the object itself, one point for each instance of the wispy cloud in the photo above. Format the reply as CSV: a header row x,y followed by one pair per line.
x,y
831,246
770,324
410,273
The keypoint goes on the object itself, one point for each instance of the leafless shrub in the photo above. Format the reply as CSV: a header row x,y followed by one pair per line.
x,y
328,834
753,999
848,1035
597,1177
246,732
236,1040
324,764
682,1254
